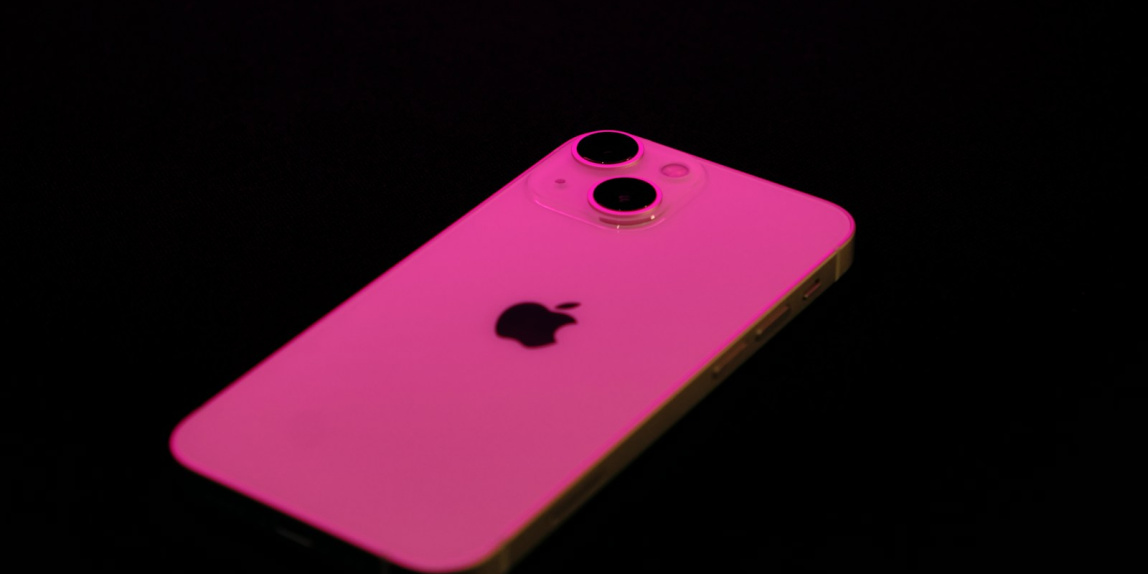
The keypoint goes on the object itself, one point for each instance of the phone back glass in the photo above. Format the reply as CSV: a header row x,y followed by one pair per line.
x,y
402,423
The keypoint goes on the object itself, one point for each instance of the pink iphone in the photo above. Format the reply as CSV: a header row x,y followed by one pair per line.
x,y
457,408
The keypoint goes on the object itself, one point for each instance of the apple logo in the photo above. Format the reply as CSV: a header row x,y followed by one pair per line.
x,y
532,324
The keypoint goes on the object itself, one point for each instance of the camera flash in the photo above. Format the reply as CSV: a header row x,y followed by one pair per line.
x,y
675,170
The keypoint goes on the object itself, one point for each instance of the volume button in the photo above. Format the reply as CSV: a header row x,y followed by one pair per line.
x,y
733,353
769,320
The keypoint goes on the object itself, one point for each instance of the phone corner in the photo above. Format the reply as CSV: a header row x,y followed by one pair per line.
x,y
847,222
177,443
851,223
843,253
495,562
498,562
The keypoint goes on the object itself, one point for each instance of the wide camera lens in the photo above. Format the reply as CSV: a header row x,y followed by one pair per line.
x,y
608,148
625,194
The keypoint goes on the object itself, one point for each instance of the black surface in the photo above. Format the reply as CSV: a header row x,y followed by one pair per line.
x,y
189,186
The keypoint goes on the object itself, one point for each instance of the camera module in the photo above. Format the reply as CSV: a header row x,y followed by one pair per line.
x,y
624,195
606,149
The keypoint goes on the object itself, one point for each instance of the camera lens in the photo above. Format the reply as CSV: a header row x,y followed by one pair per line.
x,y
625,194
608,148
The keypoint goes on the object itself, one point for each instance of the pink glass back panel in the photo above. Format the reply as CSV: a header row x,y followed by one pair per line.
x,y
401,423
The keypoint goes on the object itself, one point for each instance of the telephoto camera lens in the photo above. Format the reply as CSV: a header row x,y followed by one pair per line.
x,y
625,194
608,148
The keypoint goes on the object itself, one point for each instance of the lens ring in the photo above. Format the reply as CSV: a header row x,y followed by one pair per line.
x,y
625,196
607,149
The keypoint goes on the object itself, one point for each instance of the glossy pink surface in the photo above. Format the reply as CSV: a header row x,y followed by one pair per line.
x,y
401,423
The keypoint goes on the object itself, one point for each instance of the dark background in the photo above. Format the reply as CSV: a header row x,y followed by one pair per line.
x,y
190,185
